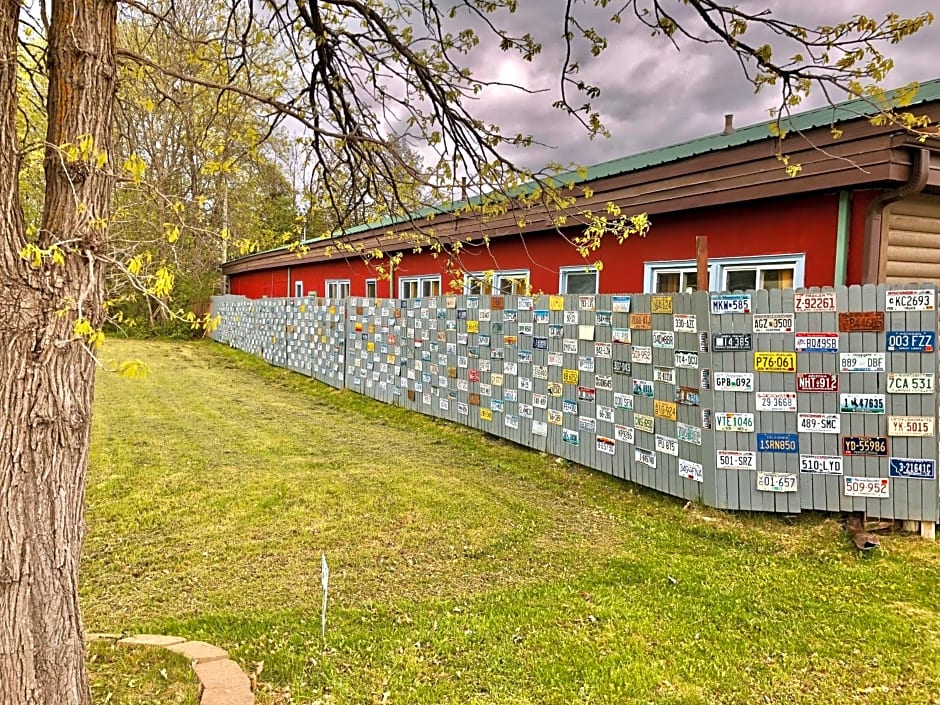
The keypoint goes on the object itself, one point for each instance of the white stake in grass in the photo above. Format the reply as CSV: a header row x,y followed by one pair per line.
x,y
325,583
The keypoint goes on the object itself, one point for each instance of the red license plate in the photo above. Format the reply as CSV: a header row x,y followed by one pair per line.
x,y
817,382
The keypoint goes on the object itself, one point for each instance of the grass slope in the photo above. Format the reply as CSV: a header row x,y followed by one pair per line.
x,y
465,570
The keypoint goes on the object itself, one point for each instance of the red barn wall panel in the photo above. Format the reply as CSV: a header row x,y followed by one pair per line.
x,y
803,224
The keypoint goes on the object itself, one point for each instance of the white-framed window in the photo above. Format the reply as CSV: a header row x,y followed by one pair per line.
x,y
337,288
506,282
419,287
578,280
372,288
298,288
727,274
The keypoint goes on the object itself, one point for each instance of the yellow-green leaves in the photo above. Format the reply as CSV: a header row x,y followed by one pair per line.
x,y
82,328
37,256
135,166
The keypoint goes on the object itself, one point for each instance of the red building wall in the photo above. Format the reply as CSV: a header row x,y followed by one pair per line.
x,y
804,224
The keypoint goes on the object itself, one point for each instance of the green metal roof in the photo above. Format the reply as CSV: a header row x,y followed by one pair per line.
x,y
819,117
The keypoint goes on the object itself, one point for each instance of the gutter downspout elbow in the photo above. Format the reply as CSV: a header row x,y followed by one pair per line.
x,y
920,171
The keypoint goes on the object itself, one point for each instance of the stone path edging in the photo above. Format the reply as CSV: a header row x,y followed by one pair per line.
x,y
221,680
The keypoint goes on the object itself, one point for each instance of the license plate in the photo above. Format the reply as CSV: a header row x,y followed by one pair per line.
x,y
776,401
664,409
817,382
910,383
734,381
743,423
641,321
605,445
689,434
877,487
688,396
664,339
685,360
773,323
620,304
776,482
913,468
910,300
691,471
818,423
911,426
814,303
821,464
736,460
861,362
643,388
778,442
864,321
645,457
684,323
862,403
623,434
725,342
641,354
816,342
910,340
865,445
664,374
661,304
622,367
775,361
665,444
730,303
642,422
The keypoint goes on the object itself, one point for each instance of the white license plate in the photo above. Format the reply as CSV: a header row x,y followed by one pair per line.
x,y
862,362
664,339
736,459
773,323
878,487
664,374
821,464
776,482
645,457
624,434
912,426
665,444
776,401
816,342
819,423
734,381
641,354
814,303
910,300
684,323
691,471
734,422
910,382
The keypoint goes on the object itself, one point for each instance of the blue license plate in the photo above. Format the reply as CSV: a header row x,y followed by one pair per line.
x,y
778,442
911,340
912,468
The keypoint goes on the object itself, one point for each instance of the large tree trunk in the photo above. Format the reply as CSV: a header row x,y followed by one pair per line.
x,y
46,375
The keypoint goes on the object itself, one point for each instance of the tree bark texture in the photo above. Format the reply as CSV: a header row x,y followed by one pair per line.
x,y
46,374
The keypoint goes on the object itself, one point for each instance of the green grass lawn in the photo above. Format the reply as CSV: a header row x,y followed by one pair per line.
x,y
139,675
465,570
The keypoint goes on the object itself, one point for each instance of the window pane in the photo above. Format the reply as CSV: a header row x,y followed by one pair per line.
x,y
691,281
777,278
371,289
431,287
579,283
513,285
740,279
668,282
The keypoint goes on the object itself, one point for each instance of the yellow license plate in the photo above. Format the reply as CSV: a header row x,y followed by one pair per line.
x,y
775,361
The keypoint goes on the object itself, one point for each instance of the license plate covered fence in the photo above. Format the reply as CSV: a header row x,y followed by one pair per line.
x,y
772,400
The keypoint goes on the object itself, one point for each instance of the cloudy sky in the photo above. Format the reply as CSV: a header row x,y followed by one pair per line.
x,y
654,95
